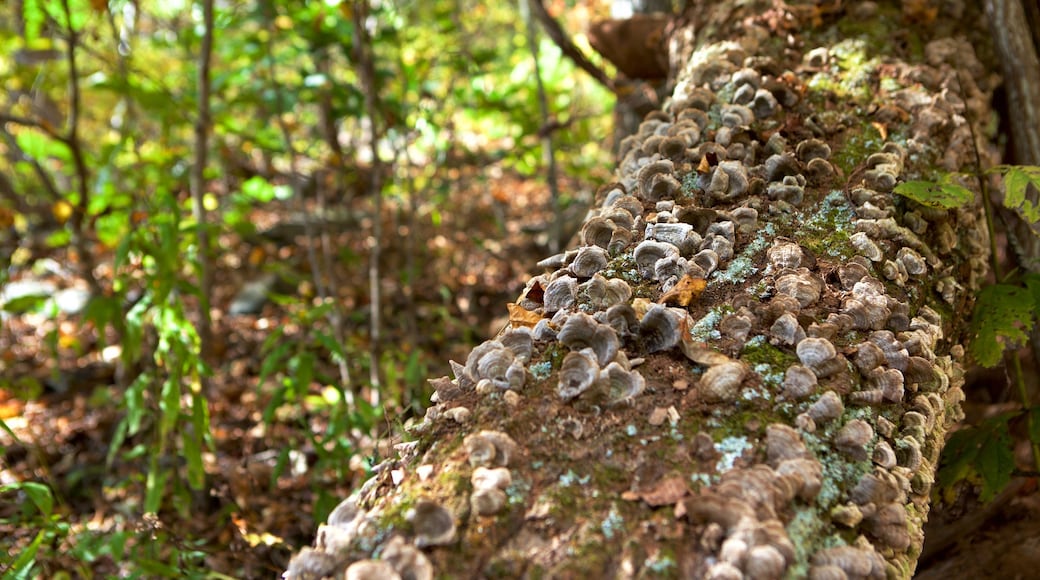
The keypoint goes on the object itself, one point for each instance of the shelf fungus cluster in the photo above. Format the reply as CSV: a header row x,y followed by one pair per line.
x,y
816,356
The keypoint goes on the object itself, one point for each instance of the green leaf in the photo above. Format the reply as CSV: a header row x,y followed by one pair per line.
x,y
943,195
1016,180
38,493
23,304
21,567
259,189
155,484
984,451
193,455
1003,316
996,461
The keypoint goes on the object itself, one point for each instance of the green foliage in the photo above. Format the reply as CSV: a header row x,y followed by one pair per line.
x,y
1004,314
940,195
1017,179
454,91
981,454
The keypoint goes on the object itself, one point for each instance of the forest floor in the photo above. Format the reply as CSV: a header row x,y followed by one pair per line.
x,y
254,512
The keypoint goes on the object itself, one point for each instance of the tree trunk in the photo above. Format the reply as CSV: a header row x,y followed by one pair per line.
x,y
748,368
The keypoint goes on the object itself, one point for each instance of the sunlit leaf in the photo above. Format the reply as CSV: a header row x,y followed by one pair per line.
x,y
937,195
22,565
519,316
1017,179
688,289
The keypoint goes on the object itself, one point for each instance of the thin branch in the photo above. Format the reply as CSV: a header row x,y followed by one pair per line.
x,y
1021,64
41,173
35,124
79,215
548,155
198,178
570,50
327,126
364,61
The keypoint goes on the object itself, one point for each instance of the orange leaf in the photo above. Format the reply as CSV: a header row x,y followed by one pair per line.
x,y
881,129
520,316
685,291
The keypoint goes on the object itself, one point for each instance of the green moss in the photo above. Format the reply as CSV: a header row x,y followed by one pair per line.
x,y
806,532
862,141
826,231
758,351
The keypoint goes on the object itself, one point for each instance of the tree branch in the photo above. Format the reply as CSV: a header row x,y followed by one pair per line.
x,y
365,64
71,138
198,178
562,40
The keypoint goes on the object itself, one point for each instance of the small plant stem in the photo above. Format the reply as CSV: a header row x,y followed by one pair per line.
x,y
548,156
987,205
1024,395
364,60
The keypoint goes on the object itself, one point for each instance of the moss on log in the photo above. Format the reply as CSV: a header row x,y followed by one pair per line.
x,y
748,367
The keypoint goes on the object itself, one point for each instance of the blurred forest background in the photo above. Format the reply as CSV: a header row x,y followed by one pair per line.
x,y
230,262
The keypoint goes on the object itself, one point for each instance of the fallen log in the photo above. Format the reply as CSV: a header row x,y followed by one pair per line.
x,y
748,367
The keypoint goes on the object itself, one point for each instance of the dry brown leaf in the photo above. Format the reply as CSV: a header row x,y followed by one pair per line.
x,y
668,490
520,316
685,291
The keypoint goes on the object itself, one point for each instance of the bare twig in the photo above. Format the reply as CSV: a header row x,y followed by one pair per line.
x,y
71,138
562,40
198,178
548,155
41,173
364,61
329,134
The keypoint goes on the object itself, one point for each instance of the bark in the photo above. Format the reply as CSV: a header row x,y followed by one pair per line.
x,y
748,367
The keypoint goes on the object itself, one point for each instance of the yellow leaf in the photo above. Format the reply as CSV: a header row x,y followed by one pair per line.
x,y
62,211
685,291
520,316
209,201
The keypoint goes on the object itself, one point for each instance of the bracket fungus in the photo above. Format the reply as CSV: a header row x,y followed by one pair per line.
x,y
812,380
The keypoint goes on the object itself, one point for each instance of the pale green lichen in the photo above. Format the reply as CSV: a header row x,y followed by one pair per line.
x,y
541,370
705,329
659,564
730,449
570,478
743,266
805,531
613,524
770,375
700,479
826,231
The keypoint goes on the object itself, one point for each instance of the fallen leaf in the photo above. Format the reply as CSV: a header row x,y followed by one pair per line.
x,y
881,129
700,352
708,161
535,293
688,289
668,490
520,316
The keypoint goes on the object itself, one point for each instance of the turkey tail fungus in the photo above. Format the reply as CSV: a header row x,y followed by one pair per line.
x,y
787,420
